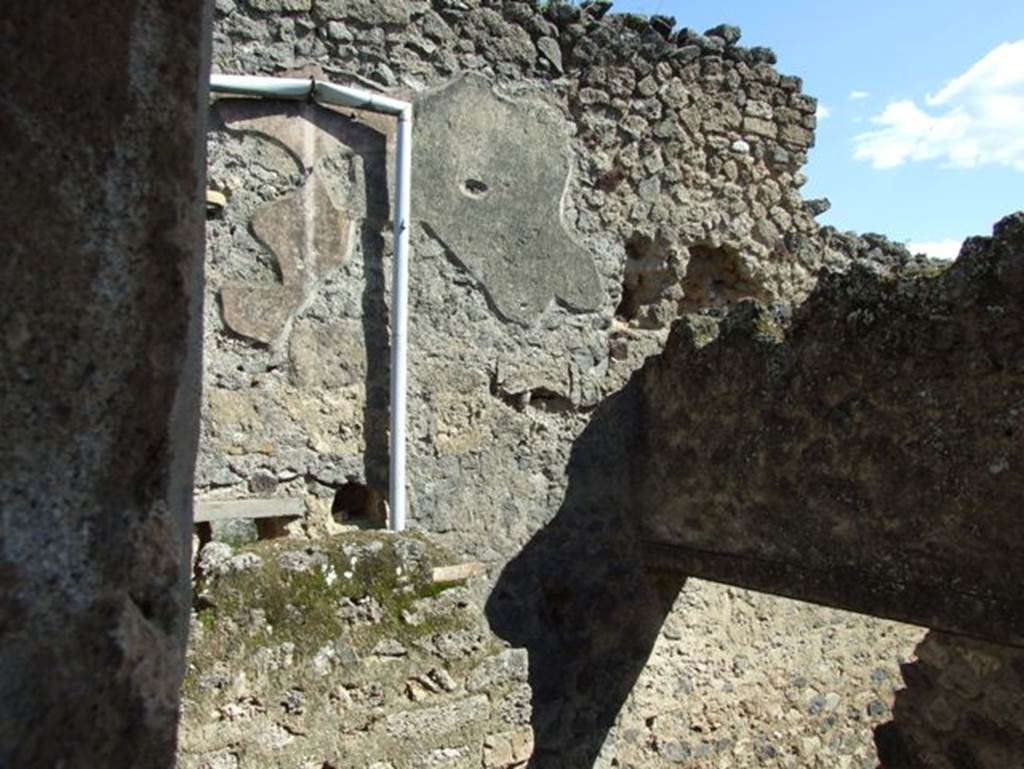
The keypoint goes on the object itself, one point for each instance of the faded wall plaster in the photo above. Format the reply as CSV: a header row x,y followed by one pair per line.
x,y
490,175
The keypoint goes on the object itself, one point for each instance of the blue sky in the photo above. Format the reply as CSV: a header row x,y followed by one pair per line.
x,y
930,148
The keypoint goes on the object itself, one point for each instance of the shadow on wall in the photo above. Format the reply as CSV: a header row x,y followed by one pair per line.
x,y
962,708
578,598
376,335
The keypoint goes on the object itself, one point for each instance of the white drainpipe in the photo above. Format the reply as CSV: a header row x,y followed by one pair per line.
x,y
328,93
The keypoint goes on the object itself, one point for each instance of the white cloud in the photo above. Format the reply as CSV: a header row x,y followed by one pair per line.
x,y
975,119
937,249
858,95
823,112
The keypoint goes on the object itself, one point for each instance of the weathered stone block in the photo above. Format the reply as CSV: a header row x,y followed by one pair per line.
x,y
281,5
550,50
760,127
508,667
441,719
508,749
797,135
867,461
370,12
759,109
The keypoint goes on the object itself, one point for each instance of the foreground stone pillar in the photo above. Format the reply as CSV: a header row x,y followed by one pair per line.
x,y
102,111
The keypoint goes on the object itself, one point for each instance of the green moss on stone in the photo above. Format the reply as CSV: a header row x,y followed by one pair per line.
x,y
306,607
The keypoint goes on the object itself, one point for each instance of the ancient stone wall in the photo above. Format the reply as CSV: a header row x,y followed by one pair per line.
x,y
103,115
856,450
625,175
580,180
962,705
360,650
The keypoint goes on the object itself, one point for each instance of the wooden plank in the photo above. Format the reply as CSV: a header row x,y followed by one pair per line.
x,y
458,572
230,509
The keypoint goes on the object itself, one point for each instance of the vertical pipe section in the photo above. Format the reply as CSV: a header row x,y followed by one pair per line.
x,y
400,319
294,88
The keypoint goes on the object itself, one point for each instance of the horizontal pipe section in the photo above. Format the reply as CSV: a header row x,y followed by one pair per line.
x,y
267,87
329,93
304,88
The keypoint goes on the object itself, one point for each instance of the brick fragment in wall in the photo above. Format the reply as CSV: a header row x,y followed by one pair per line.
x,y
760,127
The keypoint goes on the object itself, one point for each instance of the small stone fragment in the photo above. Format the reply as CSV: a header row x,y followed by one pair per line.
x,y
817,206
727,32
389,647
551,51
443,679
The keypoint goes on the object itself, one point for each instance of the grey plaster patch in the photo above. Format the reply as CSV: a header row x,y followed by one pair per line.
x,y
489,176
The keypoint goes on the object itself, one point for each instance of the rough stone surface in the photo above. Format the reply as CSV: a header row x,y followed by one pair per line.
x,y
371,12
651,195
282,275
858,451
103,116
344,653
962,705
516,456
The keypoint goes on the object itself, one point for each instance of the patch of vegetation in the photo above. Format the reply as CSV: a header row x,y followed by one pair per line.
x,y
544,5
355,587
767,329
929,269
435,589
